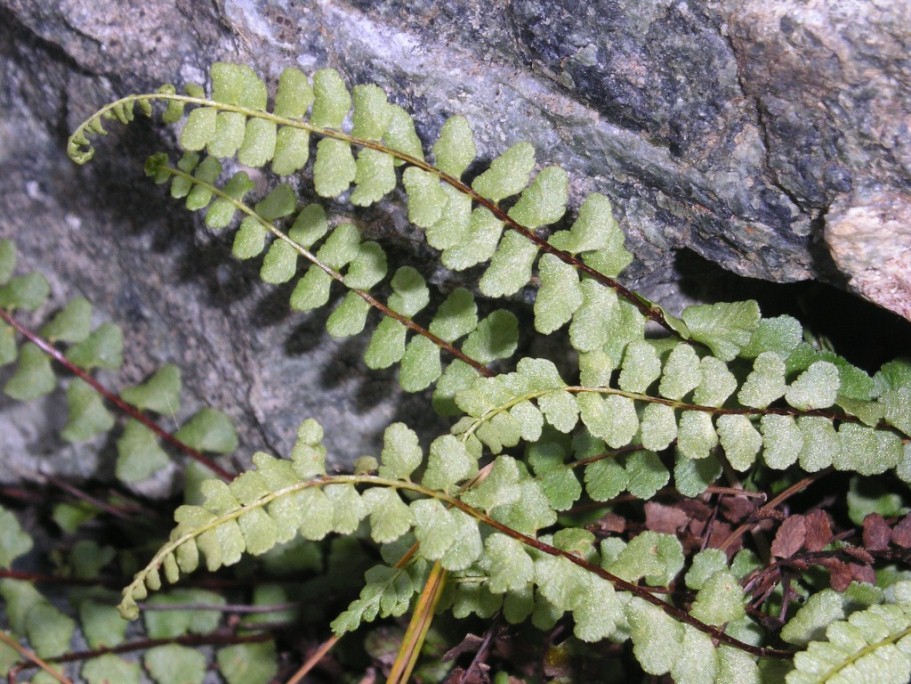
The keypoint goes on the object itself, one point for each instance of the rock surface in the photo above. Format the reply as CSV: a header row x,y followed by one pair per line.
x,y
771,138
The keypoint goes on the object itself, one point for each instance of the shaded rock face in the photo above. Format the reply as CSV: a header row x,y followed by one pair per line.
x,y
771,138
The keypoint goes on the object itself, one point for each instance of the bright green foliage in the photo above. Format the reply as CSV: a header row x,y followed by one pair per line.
x,y
103,348
334,169
456,317
400,134
7,259
692,477
705,564
14,541
810,622
718,383
374,177
765,383
657,638
279,264
8,351
71,324
496,337
87,415
681,374
871,645
544,201
588,332
658,427
426,197
139,455
723,387
739,439
160,393
780,335
641,367
209,430
720,600
696,436
612,419
865,450
646,474
558,296
479,242
449,462
260,137
782,439
387,592
725,328
331,99
168,624
897,405
175,664
30,615
390,517
650,555
507,174
33,377
817,387
510,267
253,663
27,292
110,668
372,112
454,150
100,622
237,84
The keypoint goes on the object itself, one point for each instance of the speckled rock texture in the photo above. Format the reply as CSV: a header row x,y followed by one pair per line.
x,y
770,138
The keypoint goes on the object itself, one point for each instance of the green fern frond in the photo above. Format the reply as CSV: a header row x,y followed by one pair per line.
x,y
871,645
236,121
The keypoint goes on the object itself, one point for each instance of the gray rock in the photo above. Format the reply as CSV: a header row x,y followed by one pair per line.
x,y
760,135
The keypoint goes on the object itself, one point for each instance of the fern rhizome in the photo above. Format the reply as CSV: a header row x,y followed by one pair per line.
x,y
707,423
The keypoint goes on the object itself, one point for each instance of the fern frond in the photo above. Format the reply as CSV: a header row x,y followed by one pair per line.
x,y
871,645
655,407
236,121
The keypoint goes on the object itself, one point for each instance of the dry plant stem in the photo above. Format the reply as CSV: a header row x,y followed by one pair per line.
x,y
34,661
407,657
314,659
85,496
774,503
114,399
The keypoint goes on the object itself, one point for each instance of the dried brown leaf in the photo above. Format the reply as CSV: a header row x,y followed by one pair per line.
x,y
819,530
839,574
863,572
607,524
790,537
719,532
695,509
876,532
901,533
667,519
736,509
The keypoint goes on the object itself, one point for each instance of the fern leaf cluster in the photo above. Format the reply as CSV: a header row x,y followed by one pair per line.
x,y
493,505
140,453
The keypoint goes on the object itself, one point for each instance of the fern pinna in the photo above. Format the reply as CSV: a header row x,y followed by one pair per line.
x,y
490,516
